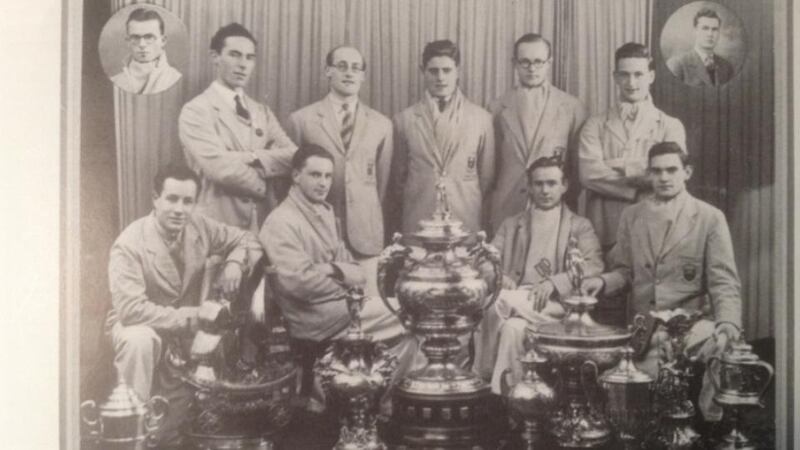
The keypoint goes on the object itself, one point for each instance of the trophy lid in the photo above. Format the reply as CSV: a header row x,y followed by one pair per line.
x,y
626,371
578,325
740,352
441,228
123,402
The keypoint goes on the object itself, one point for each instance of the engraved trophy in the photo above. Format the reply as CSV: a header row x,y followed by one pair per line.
x,y
442,296
355,372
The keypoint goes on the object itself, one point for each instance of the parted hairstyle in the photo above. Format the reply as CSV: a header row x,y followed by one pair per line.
x,y
230,30
668,148
547,161
176,171
307,151
329,57
443,47
633,50
144,15
707,12
531,38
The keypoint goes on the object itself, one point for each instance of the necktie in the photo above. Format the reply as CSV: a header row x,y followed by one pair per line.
x,y
241,111
347,125
629,113
710,68
175,248
442,103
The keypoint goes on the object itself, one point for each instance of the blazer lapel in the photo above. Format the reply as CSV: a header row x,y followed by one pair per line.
x,y
510,116
162,261
614,125
549,113
423,122
564,231
228,118
700,68
360,128
193,256
329,124
684,224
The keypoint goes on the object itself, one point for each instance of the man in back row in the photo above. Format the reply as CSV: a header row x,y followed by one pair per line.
x,y
233,142
532,120
360,141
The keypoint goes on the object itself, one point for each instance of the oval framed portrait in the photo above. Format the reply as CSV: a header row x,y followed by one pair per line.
x,y
144,49
704,44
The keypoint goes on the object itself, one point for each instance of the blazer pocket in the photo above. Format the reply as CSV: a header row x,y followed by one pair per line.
x,y
471,168
369,173
689,270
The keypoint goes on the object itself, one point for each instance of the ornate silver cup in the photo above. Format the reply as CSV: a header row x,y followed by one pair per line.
x,y
442,294
355,373
531,397
124,421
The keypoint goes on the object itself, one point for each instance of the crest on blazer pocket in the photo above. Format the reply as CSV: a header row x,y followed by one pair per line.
x,y
471,163
689,271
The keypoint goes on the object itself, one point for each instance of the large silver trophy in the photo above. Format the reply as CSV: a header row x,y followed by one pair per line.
x,y
355,373
442,295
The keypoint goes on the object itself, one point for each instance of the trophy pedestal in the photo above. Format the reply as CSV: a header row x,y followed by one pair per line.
x,y
441,407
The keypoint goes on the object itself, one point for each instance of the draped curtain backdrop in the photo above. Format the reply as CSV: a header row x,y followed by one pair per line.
x,y
294,36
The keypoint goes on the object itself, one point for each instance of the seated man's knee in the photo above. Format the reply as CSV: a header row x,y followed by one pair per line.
x,y
514,327
136,339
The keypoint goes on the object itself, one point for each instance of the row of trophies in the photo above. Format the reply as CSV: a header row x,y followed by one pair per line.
x,y
580,385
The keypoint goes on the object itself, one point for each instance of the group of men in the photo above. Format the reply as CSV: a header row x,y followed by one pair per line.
x,y
515,171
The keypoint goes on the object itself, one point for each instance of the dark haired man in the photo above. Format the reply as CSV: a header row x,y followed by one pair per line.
x,y
532,120
314,268
534,244
159,272
233,142
146,69
360,141
675,251
446,139
614,144
700,66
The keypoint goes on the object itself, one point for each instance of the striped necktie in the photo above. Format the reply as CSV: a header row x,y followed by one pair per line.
x,y
347,125
240,109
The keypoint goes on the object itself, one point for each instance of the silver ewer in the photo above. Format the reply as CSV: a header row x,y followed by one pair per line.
x,y
531,398
355,372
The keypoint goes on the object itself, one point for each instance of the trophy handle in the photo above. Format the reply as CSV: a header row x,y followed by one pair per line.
x,y
390,262
91,418
713,378
770,374
595,373
504,386
483,251
157,409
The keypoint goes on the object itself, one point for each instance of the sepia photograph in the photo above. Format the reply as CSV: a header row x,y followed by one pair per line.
x,y
427,224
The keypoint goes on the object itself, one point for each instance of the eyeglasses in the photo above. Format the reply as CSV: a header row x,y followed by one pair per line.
x,y
536,63
147,38
343,67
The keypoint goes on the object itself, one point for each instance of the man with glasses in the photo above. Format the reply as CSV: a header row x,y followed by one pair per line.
x,y
444,140
614,144
700,66
360,141
533,120
146,69
232,141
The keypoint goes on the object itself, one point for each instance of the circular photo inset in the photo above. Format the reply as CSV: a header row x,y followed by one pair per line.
x,y
704,44
144,49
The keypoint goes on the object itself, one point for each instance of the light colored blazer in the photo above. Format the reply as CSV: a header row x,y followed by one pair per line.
x,y
146,288
689,68
159,80
513,240
219,146
694,270
560,124
470,173
608,157
361,173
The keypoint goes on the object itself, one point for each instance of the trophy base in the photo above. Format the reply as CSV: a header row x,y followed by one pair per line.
x,y
217,442
735,440
576,426
447,419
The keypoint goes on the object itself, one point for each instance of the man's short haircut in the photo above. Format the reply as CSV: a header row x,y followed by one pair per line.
x,y
633,50
707,12
547,161
144,15
443,47
176,171
531,38
329,57
307,151
668,148
230,30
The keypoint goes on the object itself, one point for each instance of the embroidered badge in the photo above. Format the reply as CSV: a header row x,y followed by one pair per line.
x,y
259,132
471,162
559,153
689,272
543,268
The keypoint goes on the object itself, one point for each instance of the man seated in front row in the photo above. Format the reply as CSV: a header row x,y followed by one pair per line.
x,y
675,251
533,245
314,268
158,277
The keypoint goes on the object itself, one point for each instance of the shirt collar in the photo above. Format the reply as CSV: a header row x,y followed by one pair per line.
x,y
337,102
228,94
300,198
624,108
168,239
705,56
